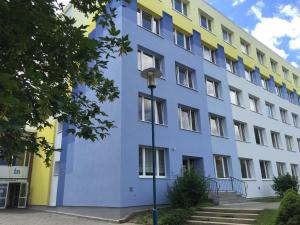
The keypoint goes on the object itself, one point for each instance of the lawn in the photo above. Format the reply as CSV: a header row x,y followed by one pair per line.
x,y
267,217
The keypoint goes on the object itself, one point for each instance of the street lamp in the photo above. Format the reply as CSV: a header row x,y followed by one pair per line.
x,y
151,74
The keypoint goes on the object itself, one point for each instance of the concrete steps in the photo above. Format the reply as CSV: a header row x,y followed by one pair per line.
x,y
224,216
230,197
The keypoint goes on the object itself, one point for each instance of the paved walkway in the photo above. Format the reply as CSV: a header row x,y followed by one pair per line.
x,y
33,217
253,205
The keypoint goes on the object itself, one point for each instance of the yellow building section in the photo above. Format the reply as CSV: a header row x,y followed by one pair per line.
x,y
41,175
195,8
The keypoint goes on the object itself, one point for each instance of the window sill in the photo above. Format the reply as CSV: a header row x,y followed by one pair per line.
x,y
192,89
256,112
246,142
272,118
291,151
248,179
215,97
209,31
230,44
262,145
148,122
239,106
286,123
151,177
150,31
223,178
182,14
163,77
223,137
247,55
193,131
266,179
211,62
183,48
233,73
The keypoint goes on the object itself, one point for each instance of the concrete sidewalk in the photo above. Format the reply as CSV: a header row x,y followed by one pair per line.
x,y
252,205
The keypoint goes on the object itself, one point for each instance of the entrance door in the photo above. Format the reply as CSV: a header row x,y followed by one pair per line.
x,y
3,195
23,195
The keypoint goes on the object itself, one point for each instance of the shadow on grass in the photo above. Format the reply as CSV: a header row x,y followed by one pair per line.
x,y
266,217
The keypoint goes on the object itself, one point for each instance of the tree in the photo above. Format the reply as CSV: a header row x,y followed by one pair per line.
x,y
44,58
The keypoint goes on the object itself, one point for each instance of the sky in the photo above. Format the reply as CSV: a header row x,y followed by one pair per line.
x,y
276,23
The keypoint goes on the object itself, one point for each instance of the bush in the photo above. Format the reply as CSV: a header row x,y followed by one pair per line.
x,y
188,190
284,183
176,217
289,210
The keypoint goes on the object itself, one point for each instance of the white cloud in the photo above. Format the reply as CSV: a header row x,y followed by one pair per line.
x,y
295,64
271,30
238,2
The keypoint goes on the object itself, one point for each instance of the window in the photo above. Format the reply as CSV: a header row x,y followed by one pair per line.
x,y
254,107
283,115
221,164
59,127
278,90
246,168
260,57
209,54
217,125
213,87
265,168
56,168
249,75
230,65
274,65
281,168
270,110
298,142
145,162
188,118
235,96
259,135
145,110
147,21
289,143
245,47
185,77
180,6
295,120
275,136
206,22
227,35
296,80
147,60
264,83
182,40
285,73
295,170
240,131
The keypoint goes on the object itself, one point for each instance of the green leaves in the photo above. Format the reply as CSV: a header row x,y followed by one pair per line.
x,y
42,54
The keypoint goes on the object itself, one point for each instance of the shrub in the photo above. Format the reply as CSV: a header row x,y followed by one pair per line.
x,y
176,217
188,190
284,183
289,210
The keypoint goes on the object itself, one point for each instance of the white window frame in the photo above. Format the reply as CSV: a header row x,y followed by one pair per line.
x,y
264,83
255,104
248,164
278,90
289,143
225,173
209,54
281,168
274,65
143,149
6,193
237,96
249,75
227,35
245,47
284,115
216,87
155,101
295,170
191,112
208,22
275,138
286,74
155,23
296,80
261,135
190,77
260,57
187,45
184,7
267,168
154,58
230,66
220,125
242,131
298,142
295,120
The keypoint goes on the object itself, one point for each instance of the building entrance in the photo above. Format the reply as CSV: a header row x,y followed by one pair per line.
x,y
13,195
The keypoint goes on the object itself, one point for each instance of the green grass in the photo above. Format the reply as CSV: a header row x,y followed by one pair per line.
x,y
267,217
267,199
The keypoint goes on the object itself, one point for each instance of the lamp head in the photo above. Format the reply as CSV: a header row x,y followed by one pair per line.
x,y
151,74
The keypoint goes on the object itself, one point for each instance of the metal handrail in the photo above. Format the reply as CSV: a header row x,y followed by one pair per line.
x,y
213,187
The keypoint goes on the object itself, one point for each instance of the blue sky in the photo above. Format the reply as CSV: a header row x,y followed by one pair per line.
x,y
276,23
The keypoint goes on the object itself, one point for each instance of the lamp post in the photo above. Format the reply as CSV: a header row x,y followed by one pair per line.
x,y
151,74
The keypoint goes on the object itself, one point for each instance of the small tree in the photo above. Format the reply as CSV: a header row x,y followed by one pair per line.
x,y
289,210
284,183
188,190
